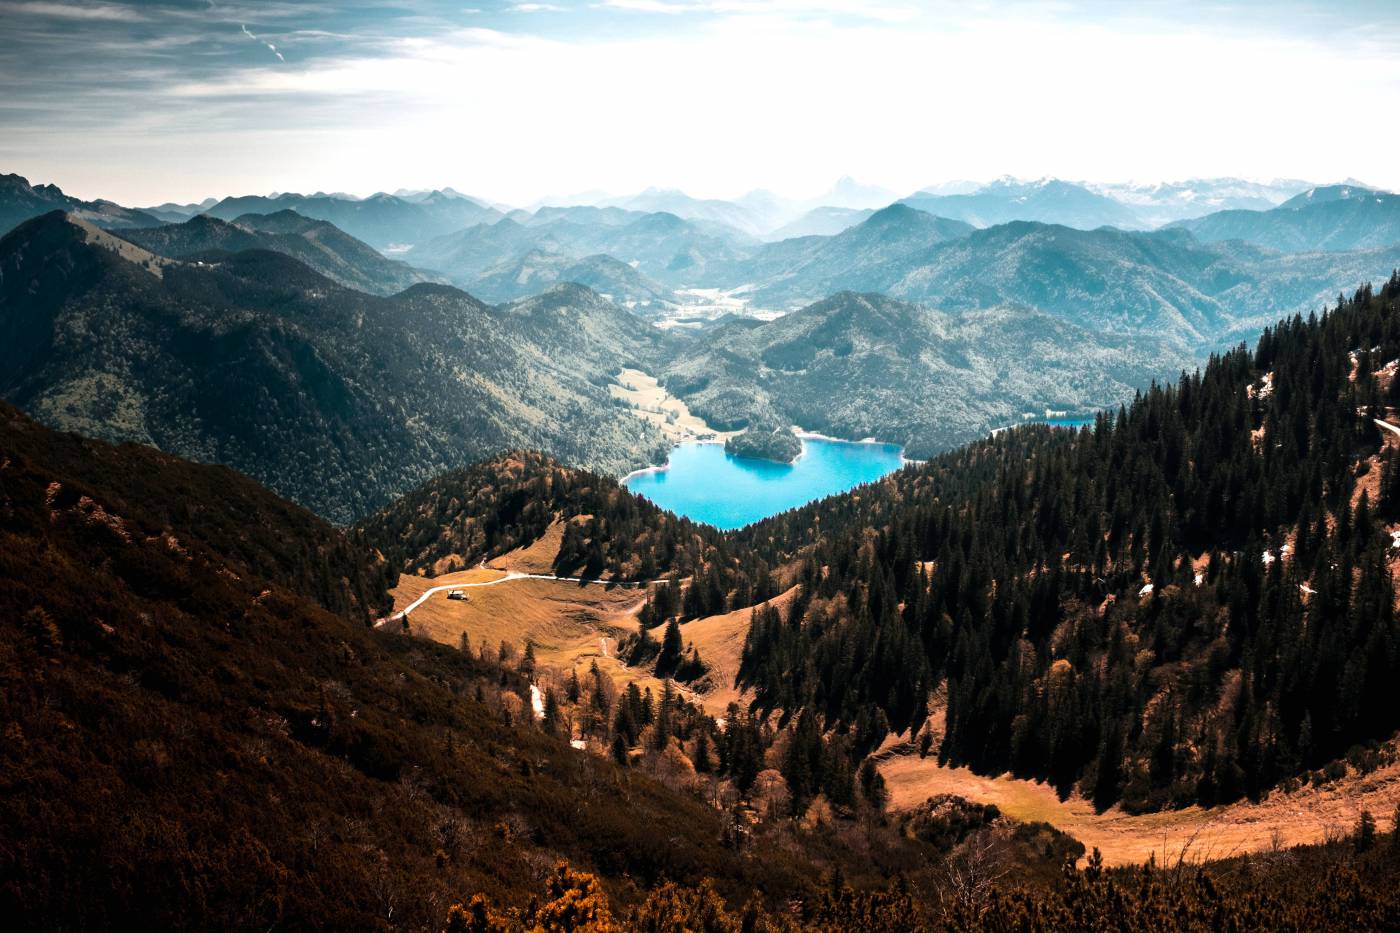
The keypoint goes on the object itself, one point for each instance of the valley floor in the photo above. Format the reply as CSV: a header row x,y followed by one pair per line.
x,y
650,401
1309,815
573,626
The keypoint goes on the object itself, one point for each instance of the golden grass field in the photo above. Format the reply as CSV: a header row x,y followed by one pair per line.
x,y
573,626
720,641
1307,815
651,401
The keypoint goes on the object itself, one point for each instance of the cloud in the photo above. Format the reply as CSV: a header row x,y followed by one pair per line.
x,y
250,35
827,88
102,12
536,8
855,9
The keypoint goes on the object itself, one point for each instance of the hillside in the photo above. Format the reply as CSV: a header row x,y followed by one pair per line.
x,y
854,259
1191,602
1332,219
467,516
333,398
20,201
357,779
662,246
1165,284
1048,200
158,636
320,245
537,270
821,221
869,366
382,220
1161,203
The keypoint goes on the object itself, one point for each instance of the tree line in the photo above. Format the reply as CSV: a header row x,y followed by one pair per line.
x,y
1187,602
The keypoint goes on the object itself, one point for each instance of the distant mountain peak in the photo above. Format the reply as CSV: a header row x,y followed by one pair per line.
x,y
849,193
1325,194
896,214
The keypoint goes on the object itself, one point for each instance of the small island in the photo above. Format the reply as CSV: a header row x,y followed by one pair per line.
x,y
765,440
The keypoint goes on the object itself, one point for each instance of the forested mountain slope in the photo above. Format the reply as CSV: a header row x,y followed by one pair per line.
x,y
320,245
381,220
855,259
662,246
1334,218
332,397
463,517
192,741
870,366
1190,602
1166,285
195,740
536,271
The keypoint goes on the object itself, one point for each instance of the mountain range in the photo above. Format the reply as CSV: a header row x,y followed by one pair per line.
x,y
1048,200
993,615
1164,284
319,244
758,213
857,366
19,201
339,399
663,246
808,268
1160,203
366,382
1335,219
537,270
335,398
383,221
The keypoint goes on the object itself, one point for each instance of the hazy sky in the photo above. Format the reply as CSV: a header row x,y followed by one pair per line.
x,y
180,100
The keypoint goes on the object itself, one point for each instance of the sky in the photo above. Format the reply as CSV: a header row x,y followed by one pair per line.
x,y
147,102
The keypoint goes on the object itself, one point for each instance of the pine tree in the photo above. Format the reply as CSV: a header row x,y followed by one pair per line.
x,y
702,760
672,648
552,722
1364,836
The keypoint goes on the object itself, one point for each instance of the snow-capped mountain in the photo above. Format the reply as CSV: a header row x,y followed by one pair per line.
x,y
1160,203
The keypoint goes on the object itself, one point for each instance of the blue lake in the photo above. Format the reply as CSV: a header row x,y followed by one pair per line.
x,y
705,484
1075,422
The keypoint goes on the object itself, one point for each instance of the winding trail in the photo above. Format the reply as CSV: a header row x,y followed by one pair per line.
x,y
510,575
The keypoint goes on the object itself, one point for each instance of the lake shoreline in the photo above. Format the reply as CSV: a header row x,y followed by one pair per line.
x,y
729,491
801,435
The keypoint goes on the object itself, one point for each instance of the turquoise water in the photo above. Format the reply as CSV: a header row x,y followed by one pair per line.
x,y
1075,422
705,484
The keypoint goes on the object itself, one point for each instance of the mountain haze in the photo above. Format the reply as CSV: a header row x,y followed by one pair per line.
x,y
663,246
320,245
1333,219
1048,200
382,220
19,201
